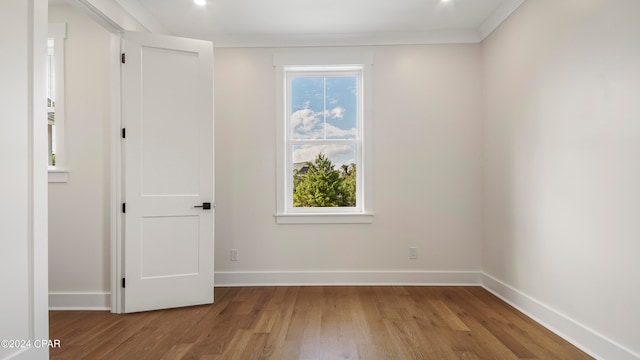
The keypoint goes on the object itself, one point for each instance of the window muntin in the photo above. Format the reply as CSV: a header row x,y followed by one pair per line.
x,y
323,139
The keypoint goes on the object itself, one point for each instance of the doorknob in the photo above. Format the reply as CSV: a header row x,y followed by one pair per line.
x,y
204,206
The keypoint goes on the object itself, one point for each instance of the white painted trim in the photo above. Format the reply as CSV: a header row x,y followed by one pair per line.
x,y
584,338
299,57
31,235
142,15
461,36
322,57
466,36
38,192
57,175
126,14
114,19
107,13
350,278
504,10
25,353
79,301
116,175
331,218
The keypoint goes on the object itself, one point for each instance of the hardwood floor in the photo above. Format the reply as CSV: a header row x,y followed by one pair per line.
x,y
316,323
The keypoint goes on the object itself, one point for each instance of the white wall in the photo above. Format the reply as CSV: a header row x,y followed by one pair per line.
x,y
79,251
427,169
23,217
557,84
561,171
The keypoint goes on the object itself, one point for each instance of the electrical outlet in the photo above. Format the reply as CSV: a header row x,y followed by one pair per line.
x,y
234,255
413,252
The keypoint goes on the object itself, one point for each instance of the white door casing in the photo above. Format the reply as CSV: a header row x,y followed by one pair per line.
x,y
168,162
24,315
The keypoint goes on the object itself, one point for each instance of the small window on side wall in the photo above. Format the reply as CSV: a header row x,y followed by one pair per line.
x,y
55,102
324,117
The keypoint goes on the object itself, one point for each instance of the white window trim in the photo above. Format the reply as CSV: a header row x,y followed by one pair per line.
x,y
59,172
323,216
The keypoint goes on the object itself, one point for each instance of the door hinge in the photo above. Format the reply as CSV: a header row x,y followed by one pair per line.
x,y
124,208
123,283
124,133
122,58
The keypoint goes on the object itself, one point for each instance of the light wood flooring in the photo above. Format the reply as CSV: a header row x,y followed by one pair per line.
x,y
320,322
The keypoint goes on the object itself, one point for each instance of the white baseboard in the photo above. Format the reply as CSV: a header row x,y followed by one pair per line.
x,y
589,341
79,301
345,278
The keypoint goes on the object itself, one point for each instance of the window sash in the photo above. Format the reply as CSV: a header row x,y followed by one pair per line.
x,y
57,35
340,209
292,72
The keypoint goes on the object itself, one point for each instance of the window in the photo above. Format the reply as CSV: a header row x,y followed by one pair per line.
x,y
55,102
323,122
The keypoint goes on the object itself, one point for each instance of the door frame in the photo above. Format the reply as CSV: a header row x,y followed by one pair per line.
x,y
107,19
117,176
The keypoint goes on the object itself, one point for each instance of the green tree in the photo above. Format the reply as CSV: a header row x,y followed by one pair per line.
x,y
348,175
324,186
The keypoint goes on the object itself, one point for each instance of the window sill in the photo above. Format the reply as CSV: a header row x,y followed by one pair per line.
x,y
345,218
58,175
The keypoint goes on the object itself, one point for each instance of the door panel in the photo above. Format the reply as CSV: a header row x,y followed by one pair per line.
x,y
161,255
167,90
170,150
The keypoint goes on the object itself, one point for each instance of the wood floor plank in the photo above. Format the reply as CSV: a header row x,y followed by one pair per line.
x,y
539,340
275,342
394,322
468,355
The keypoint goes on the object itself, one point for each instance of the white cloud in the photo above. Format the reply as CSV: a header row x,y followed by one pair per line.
x,y
336,113
304,122
308,124
337,133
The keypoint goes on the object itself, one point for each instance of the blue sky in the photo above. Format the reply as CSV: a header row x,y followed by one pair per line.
x,y
324,108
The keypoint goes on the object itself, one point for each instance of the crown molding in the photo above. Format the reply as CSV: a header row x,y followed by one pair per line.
x,y
143,16
397,38
130,9
498,16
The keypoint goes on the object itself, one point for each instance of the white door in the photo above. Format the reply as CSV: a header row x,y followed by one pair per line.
x,y
167,105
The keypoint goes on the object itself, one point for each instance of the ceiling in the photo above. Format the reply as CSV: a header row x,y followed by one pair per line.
x,y
326,22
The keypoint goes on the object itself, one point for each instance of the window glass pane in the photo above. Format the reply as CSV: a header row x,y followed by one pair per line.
x,y
307,108
324,108
341,94
324,175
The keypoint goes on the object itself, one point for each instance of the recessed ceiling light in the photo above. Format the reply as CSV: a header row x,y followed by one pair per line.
x,y
200,2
